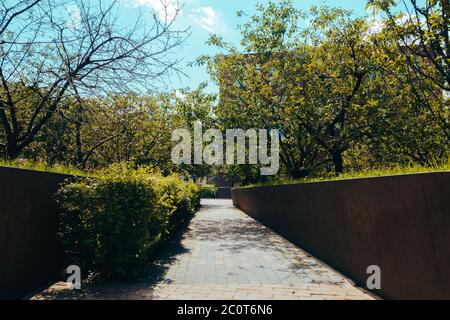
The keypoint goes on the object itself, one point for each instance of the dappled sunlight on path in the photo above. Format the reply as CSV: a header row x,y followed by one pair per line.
x,y
224,254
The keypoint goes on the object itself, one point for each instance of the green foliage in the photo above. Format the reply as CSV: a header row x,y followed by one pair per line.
x,y
246,174
393,171
344,97
113,222
177,201
93,132
191,106
208,191
42,166
420,26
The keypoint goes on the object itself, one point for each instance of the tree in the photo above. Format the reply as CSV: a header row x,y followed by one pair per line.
x,y
93,55
420,30
339,99
406,122
313,83
256,85
193,105
341,94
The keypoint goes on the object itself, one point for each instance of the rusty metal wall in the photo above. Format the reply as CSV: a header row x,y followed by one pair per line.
x,y
223,193
30,254
400,223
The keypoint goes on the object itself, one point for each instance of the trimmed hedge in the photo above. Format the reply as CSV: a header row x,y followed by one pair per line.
x,y
112,223
208,191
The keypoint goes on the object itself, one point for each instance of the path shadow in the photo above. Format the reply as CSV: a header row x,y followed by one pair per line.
x,y
164,256
167,256
238,236
234,234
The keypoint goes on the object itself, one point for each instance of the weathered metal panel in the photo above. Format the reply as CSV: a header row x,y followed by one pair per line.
x,y
400,223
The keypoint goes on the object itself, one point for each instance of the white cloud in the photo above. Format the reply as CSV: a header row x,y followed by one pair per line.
x,y
446,95
376,25
166,9
74,17
205,17
180,95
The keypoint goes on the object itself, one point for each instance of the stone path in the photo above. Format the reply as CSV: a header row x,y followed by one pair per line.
x,y
227,255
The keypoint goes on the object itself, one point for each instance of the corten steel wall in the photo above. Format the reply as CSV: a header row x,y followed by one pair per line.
x,y
30,254
223,193
400,223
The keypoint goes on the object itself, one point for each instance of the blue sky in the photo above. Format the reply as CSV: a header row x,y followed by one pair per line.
x,y
219,16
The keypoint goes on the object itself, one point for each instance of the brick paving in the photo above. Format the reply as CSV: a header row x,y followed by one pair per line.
x,y
224,254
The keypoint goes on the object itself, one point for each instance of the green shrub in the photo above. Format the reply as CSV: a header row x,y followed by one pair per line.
x,y
208,191
113,222
177,202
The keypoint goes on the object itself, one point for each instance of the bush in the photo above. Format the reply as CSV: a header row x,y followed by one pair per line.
x,y
208,191
177,202
112,222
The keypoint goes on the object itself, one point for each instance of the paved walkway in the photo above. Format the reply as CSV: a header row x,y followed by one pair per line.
x,y
227,255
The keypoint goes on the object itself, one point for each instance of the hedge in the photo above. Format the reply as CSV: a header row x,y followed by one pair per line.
x,y
208,191
111,223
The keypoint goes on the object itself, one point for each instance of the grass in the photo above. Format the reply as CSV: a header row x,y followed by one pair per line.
x,y
398,170
40,166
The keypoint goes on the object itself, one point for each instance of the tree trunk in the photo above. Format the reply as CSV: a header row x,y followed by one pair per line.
x,y
338,162
12,150
78,144
298,173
